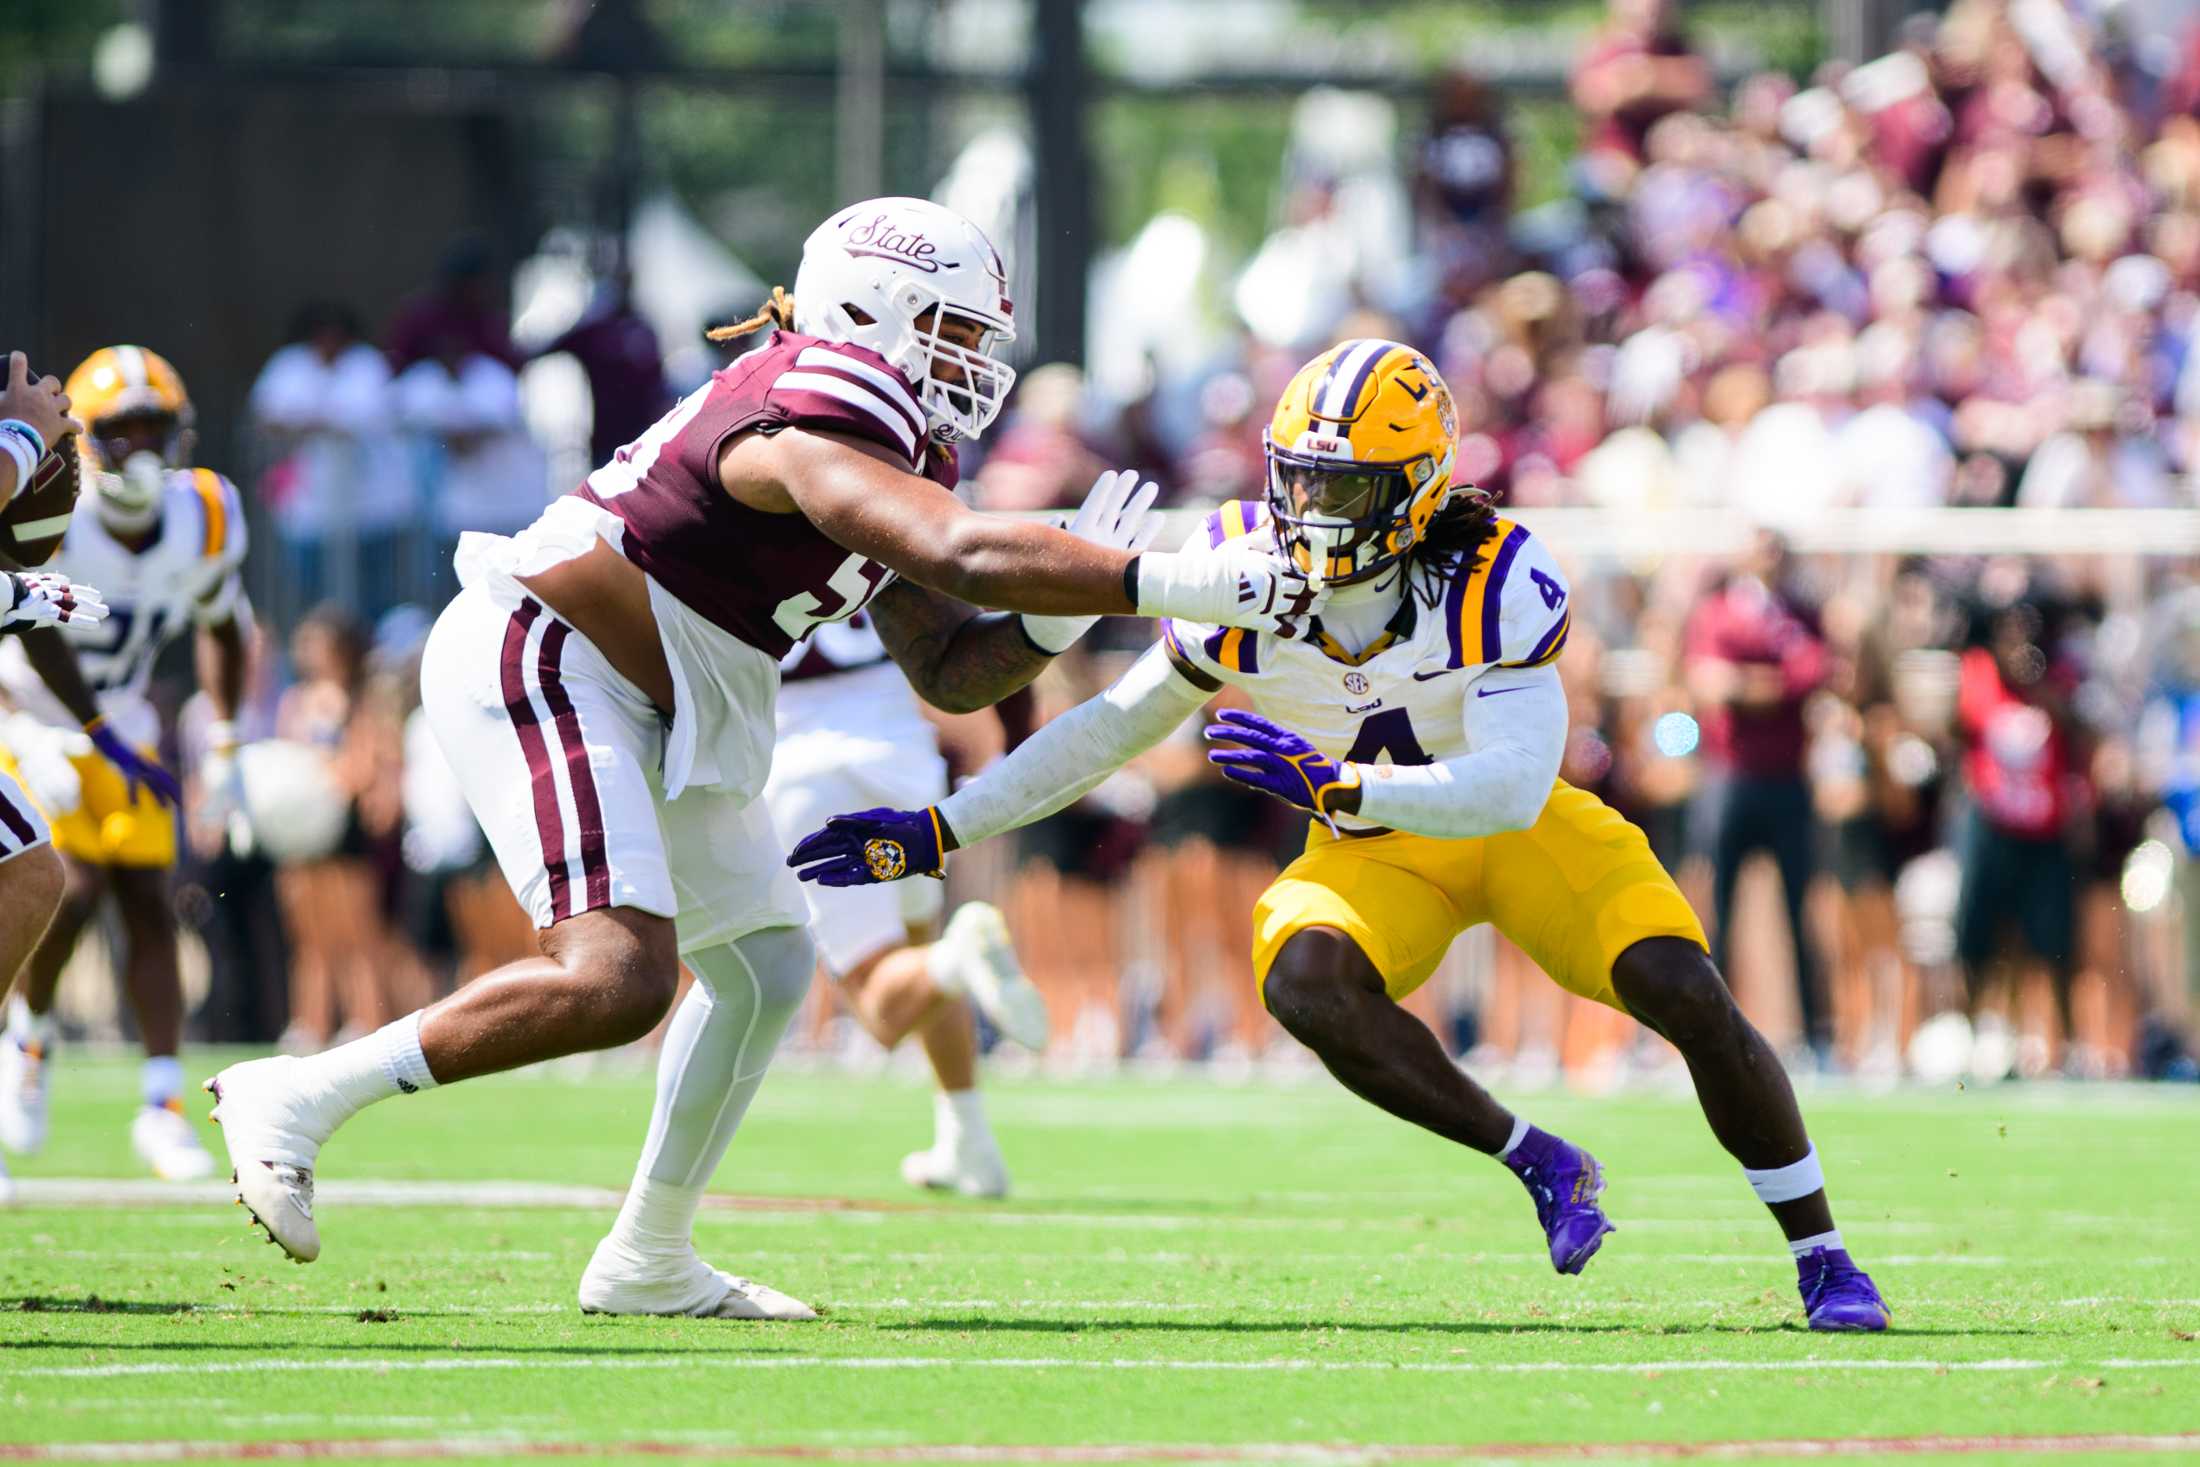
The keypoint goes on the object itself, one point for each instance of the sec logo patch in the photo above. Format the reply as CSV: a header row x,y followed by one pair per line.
x,y
1356,684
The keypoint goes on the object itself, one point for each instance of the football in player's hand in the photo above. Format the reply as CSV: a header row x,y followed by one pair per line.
x,y
33,522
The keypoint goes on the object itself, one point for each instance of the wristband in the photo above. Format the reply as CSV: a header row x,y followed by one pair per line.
x,y
18,426
1130,580
18,449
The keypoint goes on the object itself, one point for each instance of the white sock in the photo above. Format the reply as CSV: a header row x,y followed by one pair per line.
x,y
1520,1134
657,1217
27,1028
160,1080
382,1064
959,1120
1800,1246
715,1055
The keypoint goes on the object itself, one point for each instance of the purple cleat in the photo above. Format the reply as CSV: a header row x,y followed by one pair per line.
x,y
1565,1181
1837,1295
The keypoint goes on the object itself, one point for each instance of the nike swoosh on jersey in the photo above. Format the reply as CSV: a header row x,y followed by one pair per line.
x,y
1493,692
1422,677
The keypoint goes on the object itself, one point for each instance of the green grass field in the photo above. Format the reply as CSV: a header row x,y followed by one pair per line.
x,y
1188,1271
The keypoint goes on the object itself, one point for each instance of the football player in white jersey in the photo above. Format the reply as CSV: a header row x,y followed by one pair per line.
x,y
34,417
851,732
167,540
1421,724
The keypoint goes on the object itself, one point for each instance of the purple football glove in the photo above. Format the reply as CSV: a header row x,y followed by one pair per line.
x,y
870,846
1276,760
136,768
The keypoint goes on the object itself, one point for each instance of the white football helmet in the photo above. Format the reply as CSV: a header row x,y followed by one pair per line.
x,y
899,263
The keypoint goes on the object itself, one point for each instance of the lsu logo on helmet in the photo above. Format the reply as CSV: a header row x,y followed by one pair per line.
x,y
1360,453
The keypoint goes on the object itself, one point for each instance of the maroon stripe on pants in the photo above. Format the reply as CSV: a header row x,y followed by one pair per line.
x,y
527,723
587,810
17,822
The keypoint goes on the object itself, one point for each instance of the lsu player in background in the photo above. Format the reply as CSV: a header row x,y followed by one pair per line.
x,y
851,732
165,540
1421,724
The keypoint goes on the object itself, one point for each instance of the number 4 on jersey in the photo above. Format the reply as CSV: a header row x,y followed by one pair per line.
x,y
1388,732
1554,595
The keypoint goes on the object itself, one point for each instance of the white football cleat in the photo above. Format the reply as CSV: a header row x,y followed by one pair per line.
x,y
985,966
976,1172
273,1129
621,1281
24,1076
162,1137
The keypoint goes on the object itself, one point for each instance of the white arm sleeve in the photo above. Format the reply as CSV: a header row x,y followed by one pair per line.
x,y
1075,752
1516,736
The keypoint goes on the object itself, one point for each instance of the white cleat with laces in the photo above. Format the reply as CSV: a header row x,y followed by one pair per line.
x,y
273,1126
620,1281
982,966
162,1137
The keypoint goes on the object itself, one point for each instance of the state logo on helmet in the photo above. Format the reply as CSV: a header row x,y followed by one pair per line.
x,y
924,288
1360,456
138,421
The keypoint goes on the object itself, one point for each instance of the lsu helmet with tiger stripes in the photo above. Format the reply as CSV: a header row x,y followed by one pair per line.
x,y
1360,453
112,392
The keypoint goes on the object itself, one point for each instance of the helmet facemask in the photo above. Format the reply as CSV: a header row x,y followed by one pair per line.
x,y
1342,522
131,456
966,400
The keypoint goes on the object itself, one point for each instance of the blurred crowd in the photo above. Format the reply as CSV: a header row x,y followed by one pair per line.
x,y
1941,811
1965,274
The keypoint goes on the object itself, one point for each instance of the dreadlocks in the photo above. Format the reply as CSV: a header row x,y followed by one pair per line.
x,y
778,311
1453,543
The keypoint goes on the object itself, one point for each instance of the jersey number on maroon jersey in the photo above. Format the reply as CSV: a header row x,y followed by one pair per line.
x,y
627,466
854,581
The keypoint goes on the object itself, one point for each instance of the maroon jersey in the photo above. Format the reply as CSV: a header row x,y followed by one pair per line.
x,y
766,578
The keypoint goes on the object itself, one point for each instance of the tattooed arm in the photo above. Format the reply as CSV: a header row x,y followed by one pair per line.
x,y
958,659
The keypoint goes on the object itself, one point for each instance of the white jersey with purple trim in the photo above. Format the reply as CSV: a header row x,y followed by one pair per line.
x,y
1399,700
188,575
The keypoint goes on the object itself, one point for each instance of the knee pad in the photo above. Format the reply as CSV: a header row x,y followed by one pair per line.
x,y
781,959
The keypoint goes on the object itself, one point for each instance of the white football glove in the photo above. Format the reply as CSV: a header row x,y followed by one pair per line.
x,y
1235,586
44,598
221,787
42,757
1118,511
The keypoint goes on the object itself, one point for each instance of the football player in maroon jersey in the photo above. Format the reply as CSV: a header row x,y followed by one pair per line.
x,y
34,416
604,688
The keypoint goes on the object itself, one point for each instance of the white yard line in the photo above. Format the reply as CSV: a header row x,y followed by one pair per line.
x,y
381,1366
522,1196
838,1447
1576,1311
